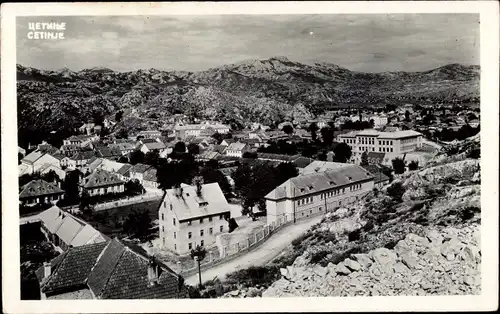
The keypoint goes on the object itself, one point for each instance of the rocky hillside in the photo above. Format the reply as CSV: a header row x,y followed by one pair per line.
x,y
417,236
257,90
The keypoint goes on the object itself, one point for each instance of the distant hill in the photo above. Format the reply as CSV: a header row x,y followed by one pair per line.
x,y
256,90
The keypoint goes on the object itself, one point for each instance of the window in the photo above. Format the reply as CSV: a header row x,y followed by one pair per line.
x,y
343,190
201,233
162,217
221,217
190,246
175,235
221,228
164,204
210,219
175,247
173,219
201,220
202,243
320,209
162,228
189,223
190,235
211,230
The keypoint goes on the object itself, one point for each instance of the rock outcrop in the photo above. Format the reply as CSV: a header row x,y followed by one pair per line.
x,y
446,261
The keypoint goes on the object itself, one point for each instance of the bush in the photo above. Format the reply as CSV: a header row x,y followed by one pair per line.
x,y
396,191
300,239
254,275
390,245
369,226
317,257
469,212
354,235
474,153
417,206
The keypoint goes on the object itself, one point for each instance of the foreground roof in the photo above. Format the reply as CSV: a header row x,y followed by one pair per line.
x,y
100,178
39,187
111,270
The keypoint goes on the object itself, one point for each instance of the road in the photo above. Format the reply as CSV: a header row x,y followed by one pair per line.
x,y
261,255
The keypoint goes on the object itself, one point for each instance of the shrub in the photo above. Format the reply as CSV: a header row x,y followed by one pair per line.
x,y
396,191
317,257
300,239
354,235
469,212
474,153
391,244
369,226
417,206
254,275
413,165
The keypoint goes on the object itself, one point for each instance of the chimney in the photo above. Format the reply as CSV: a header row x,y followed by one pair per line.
x,y
198,188
47,268
152,272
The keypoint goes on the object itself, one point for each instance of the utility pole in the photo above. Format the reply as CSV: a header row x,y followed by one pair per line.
x,y
293,200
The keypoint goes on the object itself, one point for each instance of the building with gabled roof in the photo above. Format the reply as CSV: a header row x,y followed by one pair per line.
x,y
102,182
137,171
152,146
315,193
32,162
39,191
113,269
321,166
150,179
191,216
49,167
65,230
124,172
236,149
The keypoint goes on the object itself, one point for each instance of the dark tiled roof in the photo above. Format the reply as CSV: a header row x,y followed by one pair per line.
x,y
150,175
140,168
83,155
377,173
108,152
74,268
125,170
47,149
101,178
37,188
113,270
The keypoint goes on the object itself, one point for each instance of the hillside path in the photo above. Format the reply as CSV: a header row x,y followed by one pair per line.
x,y
261,255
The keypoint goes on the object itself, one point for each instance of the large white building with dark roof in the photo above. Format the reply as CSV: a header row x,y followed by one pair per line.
x,y
314,193
189,217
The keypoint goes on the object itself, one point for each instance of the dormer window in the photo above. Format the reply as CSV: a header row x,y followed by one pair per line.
x,y
331,183
302,190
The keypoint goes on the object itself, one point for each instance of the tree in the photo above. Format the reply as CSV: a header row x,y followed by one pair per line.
x,y
211,175
138,224
85,202
123,159
322,156
70,187
198,255
242,177
218,137
180,147
288,129
151,158
342,152
407,116
396,191
122,133
398,165
313,128
19,158
413,165
285,171
136,157
193,148
364,159
119,116
252,155
327,135
134,187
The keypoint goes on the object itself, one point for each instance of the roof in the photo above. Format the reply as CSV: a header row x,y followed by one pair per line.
x,y
321,166
111,270
109,152
124,170
376,155
47,148
123,146
102,178
154,145
384,135
190,205
32,157
140,168
105,164
237,146
317,182
83,155
150,175
39,187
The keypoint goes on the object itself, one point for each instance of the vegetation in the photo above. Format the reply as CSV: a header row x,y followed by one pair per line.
x,y
396,191
198,254
413,165
138,225
136,157
342,152
398,165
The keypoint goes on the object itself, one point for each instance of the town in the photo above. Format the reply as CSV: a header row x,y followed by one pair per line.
x,y
147,213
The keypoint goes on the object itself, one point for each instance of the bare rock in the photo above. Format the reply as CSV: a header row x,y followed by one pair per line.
x,y
410,259
321,271
341,269
352,265
401,268
364,260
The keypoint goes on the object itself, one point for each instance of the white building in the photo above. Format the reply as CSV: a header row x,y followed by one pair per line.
x,y
191,216
236,149
183,131
314,193
393,143
379,120
36,160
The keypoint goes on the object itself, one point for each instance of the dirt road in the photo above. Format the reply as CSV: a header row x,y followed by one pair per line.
x,y
261,255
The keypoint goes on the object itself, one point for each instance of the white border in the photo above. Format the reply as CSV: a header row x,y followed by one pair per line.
x,y
488,300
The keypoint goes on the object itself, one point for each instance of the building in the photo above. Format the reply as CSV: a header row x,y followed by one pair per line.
x,y
314,193
46,148
101,182
124,147
49,167
149,179
21,151
39,192
65,230
380,179
124,172
149,134
379,120
78,160
109,152
81,140
320,166
191,216
394,143
236,149
113,269
153,146
137,171
32,162
70,149
182,131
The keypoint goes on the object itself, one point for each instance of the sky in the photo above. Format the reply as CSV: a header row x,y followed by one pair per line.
x,y
362,42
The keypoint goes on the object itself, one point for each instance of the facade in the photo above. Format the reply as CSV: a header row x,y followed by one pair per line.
x,y
149,179
81,140
191,216
385,142
149,134
124,148
155,146
318,166
314,193
137,171
182,131
48,167
102,182
236,149
78,160
39,192
113,269
379,120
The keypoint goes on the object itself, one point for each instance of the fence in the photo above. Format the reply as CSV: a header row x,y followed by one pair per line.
x,y
126,201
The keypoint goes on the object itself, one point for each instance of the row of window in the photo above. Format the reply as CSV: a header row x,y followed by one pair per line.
x,y
333,193
202,232
383,142
191,246
189,222
385,149
355,187
369,140
306,200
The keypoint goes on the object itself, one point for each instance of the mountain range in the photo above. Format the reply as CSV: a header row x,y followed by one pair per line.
x,y
266,91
